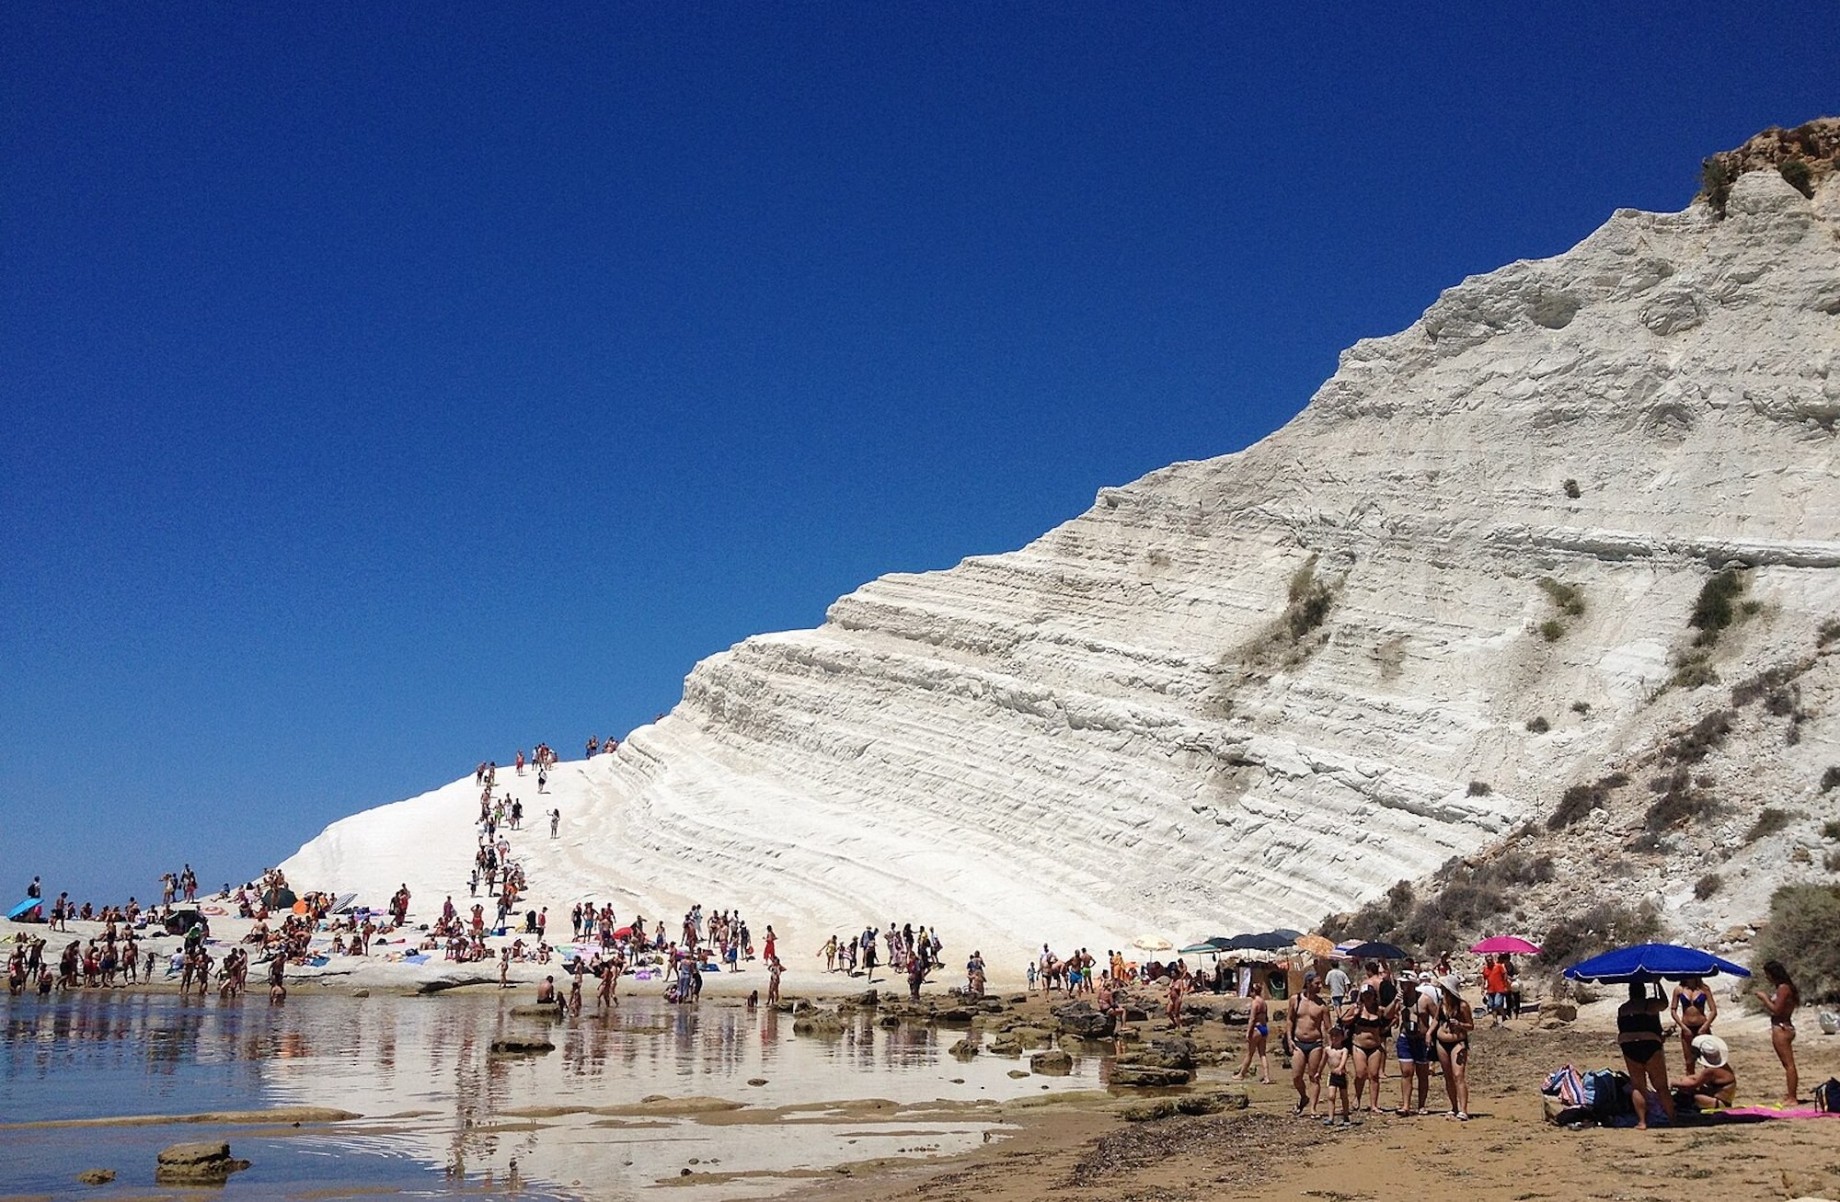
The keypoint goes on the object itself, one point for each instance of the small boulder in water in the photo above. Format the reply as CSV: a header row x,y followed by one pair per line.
x,y
196,1164
1053,1063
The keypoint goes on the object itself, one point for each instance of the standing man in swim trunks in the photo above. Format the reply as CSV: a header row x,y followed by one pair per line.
x,y
1308,1031
1418,1011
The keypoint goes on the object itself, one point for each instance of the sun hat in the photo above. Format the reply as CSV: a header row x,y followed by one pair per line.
x,y
1451,985
1712,1050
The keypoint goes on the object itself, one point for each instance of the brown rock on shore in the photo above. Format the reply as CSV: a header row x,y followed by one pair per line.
x,y
196,1164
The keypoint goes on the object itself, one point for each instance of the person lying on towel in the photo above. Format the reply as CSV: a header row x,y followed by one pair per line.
x,y
1712,1087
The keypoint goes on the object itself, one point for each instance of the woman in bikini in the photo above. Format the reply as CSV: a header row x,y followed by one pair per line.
x,y
1367,1030
1455,1021
1781,1001
1258,1031
1693,1010
1638,1032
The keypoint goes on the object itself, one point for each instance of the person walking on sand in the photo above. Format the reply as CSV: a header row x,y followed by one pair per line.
x,y
1338,985
1178,989
1308,1029
1781,1001
504,968
1336,1057
1495,988
555,820
1455,1021
1258,1034
1418,1013
1366,1031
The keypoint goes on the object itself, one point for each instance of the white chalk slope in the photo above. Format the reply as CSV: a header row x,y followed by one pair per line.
x,y
1101,735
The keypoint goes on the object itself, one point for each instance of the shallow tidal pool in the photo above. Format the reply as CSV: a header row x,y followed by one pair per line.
x,y
724,1101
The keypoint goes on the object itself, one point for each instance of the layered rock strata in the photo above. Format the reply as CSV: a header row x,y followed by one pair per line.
x,y
1246,691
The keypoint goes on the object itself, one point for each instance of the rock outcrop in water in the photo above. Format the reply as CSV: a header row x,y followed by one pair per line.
x,y
1246,691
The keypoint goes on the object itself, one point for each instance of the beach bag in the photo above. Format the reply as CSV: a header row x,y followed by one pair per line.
x,y
1608,1095
1827,1096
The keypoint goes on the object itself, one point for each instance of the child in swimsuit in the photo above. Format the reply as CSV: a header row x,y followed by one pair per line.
x,y
1337,1059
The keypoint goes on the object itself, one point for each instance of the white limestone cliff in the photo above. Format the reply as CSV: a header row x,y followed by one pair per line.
x,y
1114,730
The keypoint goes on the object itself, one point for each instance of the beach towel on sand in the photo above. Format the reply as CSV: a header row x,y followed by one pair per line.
x,y
1763,1114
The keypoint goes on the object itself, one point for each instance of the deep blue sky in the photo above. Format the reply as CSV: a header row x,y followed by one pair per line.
x,y
389,386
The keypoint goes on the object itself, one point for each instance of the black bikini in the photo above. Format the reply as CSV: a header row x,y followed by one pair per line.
x,y
1641,1022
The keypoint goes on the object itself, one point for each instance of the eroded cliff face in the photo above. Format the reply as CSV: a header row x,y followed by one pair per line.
x,y
1250,690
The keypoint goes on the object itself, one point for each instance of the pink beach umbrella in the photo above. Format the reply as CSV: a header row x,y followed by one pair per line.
x,y
1512,945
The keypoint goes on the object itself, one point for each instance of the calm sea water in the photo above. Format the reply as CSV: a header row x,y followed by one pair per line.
x,y
443,1116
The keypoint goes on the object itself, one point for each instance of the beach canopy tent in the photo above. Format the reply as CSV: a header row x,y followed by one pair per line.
x,y
1652,961
1374,951
1510,945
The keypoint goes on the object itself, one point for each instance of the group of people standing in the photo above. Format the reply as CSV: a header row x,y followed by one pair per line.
x,y
1709,1081
907,950
1422,1018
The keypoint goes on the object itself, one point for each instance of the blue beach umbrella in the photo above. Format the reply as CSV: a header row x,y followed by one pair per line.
x,y
1651,961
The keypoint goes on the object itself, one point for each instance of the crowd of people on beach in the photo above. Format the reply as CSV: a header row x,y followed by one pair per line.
x,y
1339,1025
905,950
